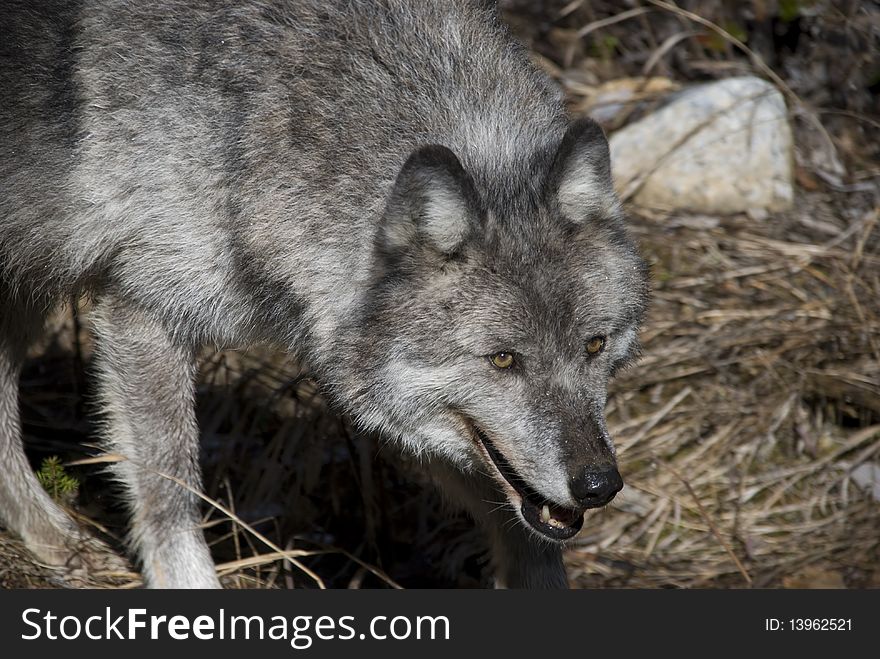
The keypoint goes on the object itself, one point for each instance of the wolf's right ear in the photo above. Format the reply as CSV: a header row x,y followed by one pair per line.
x,y
433,204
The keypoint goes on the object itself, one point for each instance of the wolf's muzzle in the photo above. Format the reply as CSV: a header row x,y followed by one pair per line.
x,y
553,521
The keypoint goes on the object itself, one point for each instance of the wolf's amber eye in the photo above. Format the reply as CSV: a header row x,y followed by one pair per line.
x,y
502,360
595,345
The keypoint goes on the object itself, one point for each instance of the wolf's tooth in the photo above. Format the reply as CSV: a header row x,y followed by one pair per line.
x,y
545,513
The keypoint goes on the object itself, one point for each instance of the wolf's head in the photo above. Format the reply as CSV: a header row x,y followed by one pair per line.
x,y
497,318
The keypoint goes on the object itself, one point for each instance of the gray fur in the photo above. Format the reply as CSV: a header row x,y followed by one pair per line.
x,y
390,190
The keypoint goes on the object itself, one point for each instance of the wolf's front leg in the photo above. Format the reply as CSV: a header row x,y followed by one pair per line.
x,y
147,396
520,559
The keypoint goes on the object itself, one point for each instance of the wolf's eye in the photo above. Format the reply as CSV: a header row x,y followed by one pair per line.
x,y
595,345
502,360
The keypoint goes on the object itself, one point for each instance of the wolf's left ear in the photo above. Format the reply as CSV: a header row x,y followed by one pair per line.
x,y
581,173
434,204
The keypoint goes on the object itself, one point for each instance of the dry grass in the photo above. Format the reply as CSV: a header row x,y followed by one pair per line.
x,y
758,394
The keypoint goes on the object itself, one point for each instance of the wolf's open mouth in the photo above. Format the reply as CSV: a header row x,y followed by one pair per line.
x,y
547,518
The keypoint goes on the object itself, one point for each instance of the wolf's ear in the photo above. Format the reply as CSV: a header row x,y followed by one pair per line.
x,y
581,173
433,203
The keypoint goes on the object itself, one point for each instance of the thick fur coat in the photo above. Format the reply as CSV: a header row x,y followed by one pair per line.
x,y
391,190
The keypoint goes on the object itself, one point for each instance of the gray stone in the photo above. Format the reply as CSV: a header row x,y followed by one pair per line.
x,y
867,476
723,147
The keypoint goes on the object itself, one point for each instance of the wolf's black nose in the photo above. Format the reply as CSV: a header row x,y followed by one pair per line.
x,y
594,488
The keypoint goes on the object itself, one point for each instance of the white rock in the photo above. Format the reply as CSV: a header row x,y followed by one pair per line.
x,y
867,476
723,147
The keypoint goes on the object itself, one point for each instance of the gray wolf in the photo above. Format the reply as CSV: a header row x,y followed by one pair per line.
x,y
390,190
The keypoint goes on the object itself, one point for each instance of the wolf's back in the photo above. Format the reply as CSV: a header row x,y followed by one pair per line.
x,y
38,108
140,135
